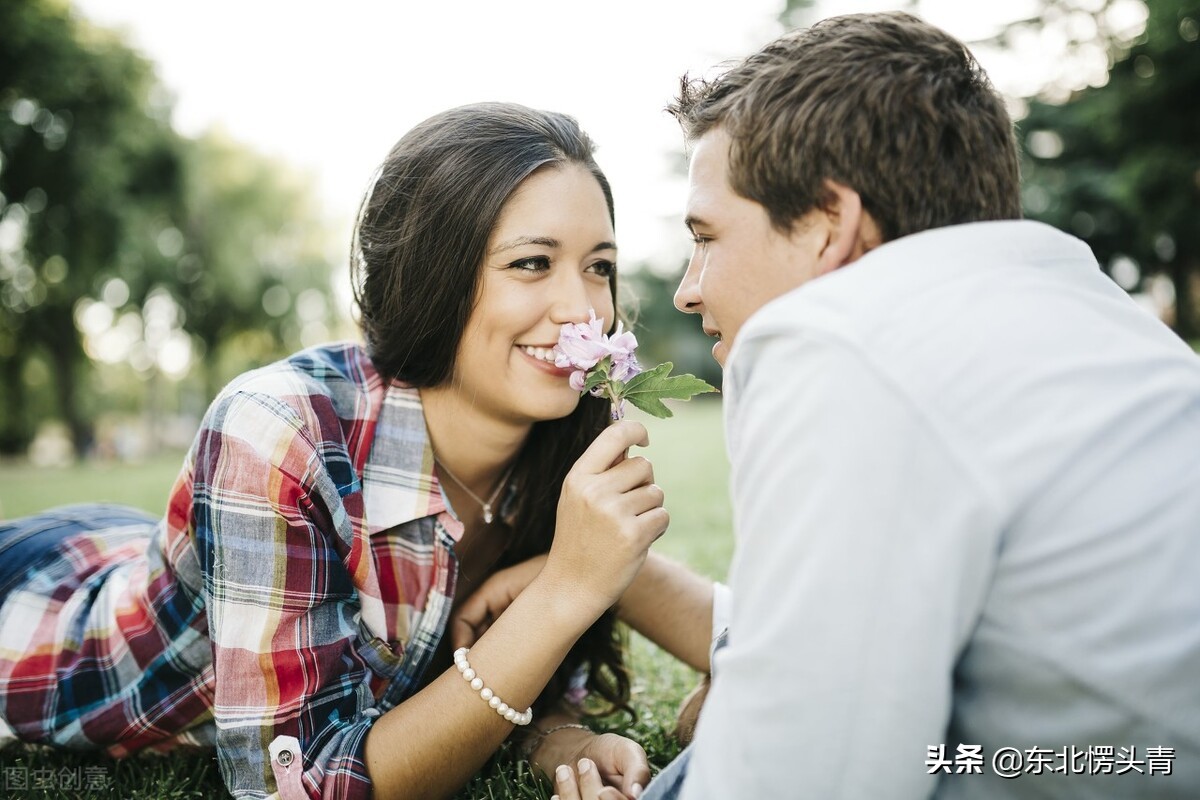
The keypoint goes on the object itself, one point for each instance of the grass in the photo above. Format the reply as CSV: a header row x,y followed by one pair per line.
x,y
26,489
689,458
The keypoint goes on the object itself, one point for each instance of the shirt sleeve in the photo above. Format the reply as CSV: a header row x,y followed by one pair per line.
x,y
863,552
721,614
292,702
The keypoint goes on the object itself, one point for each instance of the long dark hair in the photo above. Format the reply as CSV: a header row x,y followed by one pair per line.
x,y
415,260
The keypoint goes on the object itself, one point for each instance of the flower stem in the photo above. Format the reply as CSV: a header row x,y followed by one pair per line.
x,y
614,397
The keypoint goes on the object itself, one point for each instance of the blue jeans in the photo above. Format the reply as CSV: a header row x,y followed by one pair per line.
x,y
27,544
669,783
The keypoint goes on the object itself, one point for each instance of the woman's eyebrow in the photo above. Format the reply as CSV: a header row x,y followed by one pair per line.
x,y
521,241
544,241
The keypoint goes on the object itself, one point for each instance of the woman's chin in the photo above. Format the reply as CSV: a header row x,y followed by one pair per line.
x,y
562,404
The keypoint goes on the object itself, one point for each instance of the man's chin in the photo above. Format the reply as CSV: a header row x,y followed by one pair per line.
x,y
720,352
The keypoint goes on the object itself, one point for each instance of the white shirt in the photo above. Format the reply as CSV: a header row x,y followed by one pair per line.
x,y
966,482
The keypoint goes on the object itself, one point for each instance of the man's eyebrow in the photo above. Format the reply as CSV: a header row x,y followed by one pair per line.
x,y
691,221
544,241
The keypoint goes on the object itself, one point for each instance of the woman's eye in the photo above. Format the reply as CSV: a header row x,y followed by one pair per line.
x,y
605,269
532,264
698,240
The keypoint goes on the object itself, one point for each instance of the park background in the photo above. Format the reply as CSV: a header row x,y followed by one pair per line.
x,y
177,187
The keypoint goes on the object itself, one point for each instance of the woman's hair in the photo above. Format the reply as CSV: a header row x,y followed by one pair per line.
x,y
886,104
416,260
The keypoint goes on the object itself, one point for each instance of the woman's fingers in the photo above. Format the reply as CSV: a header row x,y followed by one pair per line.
x,y
565,785
635,769
630,473
584,785
643,498
476,614
470,620
590,783
610,446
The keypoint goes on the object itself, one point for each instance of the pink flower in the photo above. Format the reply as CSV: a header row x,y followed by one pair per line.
x,y
624,368
621,346
622,343
581,344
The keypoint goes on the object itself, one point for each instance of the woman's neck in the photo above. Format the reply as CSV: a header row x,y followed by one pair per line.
x,y
477,448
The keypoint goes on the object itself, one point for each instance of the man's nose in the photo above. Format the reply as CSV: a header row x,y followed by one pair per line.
x,y
687,296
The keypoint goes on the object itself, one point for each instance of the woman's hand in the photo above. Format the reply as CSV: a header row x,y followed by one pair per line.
x,y
477,613
583,781
609,513
617,767
620,762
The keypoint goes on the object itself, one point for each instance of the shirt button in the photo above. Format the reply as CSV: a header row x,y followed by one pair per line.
x,y
284,758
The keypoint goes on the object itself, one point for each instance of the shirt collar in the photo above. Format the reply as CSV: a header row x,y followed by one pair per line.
x,y
399,484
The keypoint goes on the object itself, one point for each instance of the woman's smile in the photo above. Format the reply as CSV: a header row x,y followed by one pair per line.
x,y
542,358
550,259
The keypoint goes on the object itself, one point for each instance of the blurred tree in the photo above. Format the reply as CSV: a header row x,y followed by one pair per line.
x,y
253,276
664,334
86,158
796,13
1119,164
123,243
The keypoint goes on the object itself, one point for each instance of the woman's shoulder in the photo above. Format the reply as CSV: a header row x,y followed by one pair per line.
x,y
316,388
324,370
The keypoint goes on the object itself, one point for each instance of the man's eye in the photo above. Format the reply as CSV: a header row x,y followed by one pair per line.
x,y
531,264
700,241
605,269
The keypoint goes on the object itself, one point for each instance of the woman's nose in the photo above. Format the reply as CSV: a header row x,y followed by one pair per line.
x,y
573,301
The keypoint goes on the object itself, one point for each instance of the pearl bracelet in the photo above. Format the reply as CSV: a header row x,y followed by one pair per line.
x,y
502,708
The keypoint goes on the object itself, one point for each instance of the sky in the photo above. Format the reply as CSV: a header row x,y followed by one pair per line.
x,y
330,87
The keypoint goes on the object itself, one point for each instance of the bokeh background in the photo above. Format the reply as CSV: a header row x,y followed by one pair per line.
x,y
177,182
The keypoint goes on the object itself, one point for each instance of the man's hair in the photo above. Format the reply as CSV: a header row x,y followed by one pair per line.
x,y
886,104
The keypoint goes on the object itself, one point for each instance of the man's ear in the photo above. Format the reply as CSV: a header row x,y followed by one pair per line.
x,y
852,232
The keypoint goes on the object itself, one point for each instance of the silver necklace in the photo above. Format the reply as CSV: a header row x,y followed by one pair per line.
x,y
486,505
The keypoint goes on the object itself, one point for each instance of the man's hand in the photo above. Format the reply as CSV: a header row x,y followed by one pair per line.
x,y
477,613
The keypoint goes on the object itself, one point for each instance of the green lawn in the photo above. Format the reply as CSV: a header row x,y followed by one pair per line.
x,y
25,489
689,457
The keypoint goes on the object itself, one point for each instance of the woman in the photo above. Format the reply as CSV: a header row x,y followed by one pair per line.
x,y
290,608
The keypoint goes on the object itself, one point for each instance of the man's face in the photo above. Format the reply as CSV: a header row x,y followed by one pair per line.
x,y
740,262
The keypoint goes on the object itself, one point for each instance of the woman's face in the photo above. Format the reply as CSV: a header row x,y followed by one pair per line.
x,y
549,259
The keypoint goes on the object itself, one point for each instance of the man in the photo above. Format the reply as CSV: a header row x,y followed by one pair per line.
x,y
966,466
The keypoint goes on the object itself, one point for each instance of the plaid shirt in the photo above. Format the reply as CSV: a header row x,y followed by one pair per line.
x,y
296,589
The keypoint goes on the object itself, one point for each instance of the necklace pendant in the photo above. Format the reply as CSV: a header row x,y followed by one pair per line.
x,y
487,513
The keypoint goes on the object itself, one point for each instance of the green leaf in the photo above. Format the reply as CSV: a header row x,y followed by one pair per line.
x,y
648,389
596,376
652,406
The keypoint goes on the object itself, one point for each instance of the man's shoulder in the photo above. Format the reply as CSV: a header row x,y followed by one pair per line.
x,y
926,284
